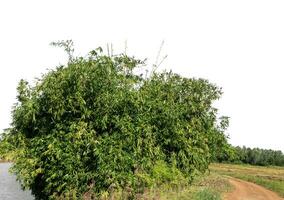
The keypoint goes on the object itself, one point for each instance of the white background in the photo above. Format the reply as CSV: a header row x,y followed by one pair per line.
x,y
239,45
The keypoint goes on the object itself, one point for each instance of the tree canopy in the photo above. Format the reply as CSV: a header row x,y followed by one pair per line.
x,y
94,125
257,156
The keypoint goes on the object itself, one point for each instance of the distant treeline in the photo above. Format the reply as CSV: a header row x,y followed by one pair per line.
x,y
254,156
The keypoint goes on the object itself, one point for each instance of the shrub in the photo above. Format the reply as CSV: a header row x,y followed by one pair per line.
x,y
96,126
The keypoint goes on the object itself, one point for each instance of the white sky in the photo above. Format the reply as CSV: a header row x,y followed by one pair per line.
x,y
238,45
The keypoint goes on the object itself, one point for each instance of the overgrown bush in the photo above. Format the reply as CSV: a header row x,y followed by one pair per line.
x,y
94,126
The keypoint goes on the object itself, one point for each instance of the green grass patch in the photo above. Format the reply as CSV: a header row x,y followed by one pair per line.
x,y
205,187
208,187
207,194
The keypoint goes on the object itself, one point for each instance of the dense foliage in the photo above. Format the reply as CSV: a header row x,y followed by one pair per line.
x,y
95,126
257,156
252,156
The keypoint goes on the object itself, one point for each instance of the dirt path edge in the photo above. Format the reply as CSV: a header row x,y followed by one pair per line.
x,y
244,190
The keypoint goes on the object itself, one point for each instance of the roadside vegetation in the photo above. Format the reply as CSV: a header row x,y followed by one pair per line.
x,y
270,177
97,128
209,187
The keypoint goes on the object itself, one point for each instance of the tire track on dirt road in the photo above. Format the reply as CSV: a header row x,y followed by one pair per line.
x,y
244,190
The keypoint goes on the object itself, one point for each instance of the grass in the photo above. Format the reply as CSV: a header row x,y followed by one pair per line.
x,y
271,178
207,194
208,187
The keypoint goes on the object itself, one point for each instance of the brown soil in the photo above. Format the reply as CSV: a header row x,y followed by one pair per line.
x,y
249,191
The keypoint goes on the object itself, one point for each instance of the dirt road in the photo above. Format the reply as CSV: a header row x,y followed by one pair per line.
x,y
249,191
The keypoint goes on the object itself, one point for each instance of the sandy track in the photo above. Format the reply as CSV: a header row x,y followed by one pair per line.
x,y
244,190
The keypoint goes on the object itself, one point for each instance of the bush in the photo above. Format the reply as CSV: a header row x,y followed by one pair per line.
x,y
95,126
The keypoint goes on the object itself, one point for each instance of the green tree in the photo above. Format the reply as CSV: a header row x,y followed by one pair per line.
x,y
94,125
257,156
